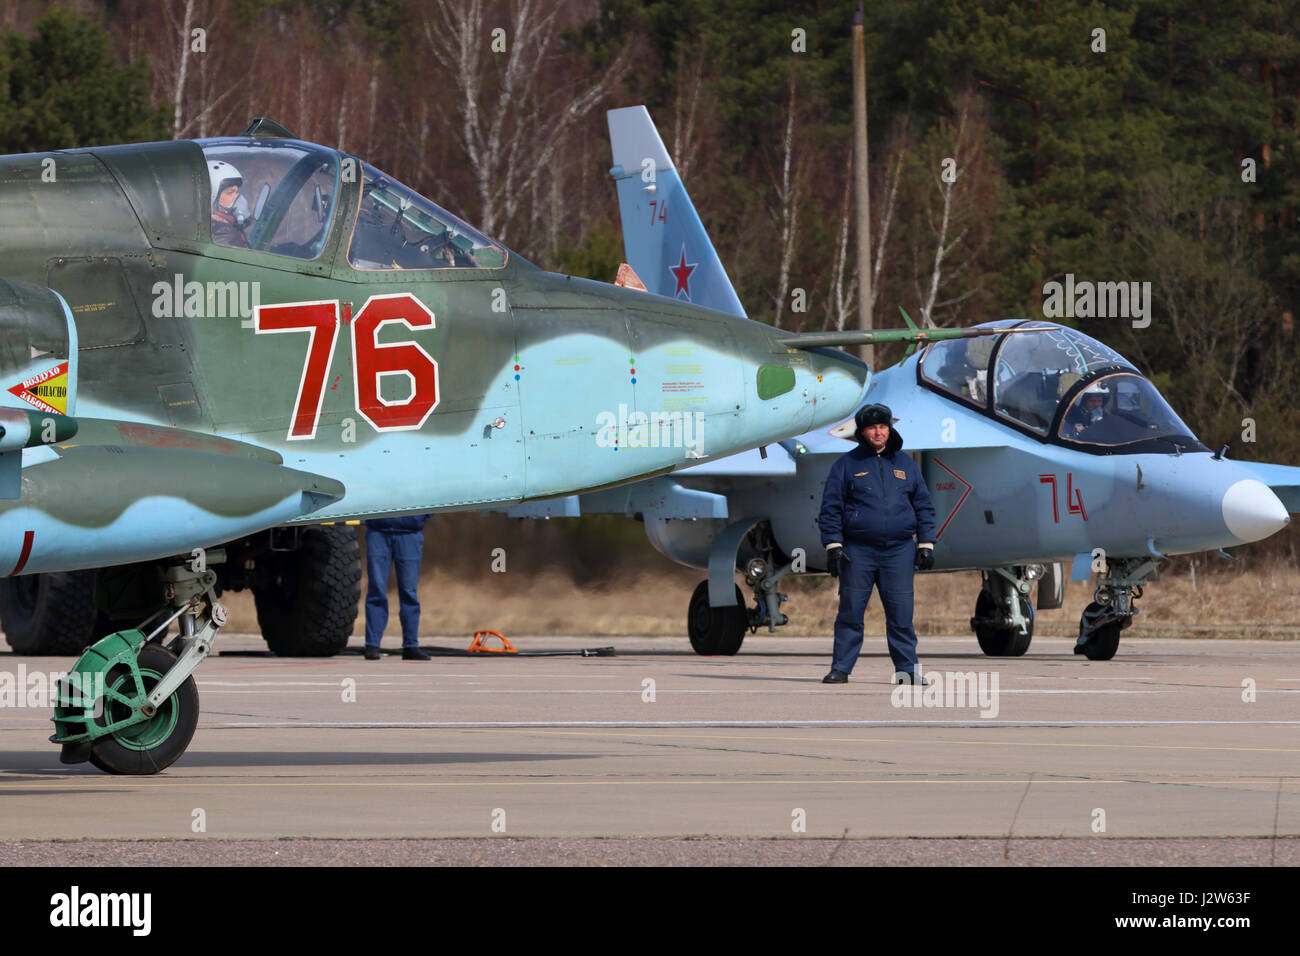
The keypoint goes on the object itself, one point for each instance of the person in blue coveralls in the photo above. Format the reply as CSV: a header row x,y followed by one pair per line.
x,y
400,542
874,505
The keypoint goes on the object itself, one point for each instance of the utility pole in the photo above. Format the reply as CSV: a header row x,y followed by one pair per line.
x,y
866,352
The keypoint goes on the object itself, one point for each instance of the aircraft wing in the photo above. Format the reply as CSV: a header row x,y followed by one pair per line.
x,y
926,423
119,492
1283,479
779,463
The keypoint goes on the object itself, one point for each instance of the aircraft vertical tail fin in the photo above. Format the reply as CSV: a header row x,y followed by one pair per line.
x,y
663,239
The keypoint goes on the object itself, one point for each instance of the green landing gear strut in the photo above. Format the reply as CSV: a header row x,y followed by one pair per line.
x,y
129,704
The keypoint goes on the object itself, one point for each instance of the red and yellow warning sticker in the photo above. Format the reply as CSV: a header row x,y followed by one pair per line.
x,y
46,391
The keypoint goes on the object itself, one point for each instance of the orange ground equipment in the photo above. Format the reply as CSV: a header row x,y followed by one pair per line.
x,y
479,647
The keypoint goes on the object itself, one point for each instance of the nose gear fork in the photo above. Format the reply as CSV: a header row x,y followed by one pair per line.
x,y
201,617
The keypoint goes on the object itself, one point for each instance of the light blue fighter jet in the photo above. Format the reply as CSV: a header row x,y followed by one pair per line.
x,y
1041,449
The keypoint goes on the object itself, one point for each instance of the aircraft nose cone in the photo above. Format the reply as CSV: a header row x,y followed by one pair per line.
x,y
1251,510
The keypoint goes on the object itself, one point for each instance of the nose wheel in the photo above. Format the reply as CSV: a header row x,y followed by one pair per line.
x,y
1099,642
1113,606
155,744
130,705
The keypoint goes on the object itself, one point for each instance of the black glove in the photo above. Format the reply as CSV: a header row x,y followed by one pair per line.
x,y
924,559
834,558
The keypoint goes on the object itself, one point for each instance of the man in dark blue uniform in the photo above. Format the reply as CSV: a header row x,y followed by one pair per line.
x,y
875,501
389,542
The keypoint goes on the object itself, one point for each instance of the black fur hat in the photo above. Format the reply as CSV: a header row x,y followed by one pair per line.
x,y
873,415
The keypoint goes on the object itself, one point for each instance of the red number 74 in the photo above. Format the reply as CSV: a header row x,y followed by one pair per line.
x,y
1073,496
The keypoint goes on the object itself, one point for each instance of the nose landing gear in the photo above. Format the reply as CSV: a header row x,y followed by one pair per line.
x,y
129,704
1113,608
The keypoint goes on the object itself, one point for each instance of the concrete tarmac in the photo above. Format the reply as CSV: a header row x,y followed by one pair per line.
x,y
1195,741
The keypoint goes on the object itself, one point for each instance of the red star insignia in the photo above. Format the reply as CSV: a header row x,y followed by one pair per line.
x,y
682,272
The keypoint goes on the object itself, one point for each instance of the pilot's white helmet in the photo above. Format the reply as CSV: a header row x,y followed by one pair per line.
x,y
1097,388
222,174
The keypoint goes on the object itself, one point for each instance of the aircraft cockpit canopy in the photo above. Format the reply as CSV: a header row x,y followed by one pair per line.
x,y
1058,385
400,229
1122,409
278,195
274,195
1035,370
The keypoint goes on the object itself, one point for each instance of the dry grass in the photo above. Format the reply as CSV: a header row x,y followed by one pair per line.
x,y
1257,598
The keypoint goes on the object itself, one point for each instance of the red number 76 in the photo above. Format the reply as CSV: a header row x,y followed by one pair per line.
x,y
370,360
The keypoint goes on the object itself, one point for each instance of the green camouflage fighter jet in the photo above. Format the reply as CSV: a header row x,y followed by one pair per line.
x,y
214,349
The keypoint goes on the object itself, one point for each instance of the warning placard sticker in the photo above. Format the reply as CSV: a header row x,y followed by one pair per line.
x,y
45,391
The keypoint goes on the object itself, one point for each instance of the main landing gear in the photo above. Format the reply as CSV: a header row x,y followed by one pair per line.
x,y
1004,618
306,583
721,630
1113,608
129,704
716,630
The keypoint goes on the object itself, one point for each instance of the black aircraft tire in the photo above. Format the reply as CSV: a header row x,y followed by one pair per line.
x,y
51,613
311,604
155,745
715,630
1002,641
1104,642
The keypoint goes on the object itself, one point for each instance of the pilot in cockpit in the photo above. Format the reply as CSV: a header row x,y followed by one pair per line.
x,y
1088,410
230,216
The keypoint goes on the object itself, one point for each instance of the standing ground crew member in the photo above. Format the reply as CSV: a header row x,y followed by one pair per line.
x,y
875,501
400,542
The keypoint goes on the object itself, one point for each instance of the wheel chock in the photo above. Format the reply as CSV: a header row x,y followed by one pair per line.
x,y
479,647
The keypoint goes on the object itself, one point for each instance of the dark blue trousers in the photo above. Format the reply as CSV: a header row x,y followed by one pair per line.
x,y
383,550
889,568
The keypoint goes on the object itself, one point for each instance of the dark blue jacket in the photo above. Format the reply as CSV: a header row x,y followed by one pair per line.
x,y
876,498
406,524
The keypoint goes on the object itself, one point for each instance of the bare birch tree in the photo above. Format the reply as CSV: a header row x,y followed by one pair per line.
x,y
183,55
842,300
840,303
788,189
1202,249
512,114
686,107
178,89
953,213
